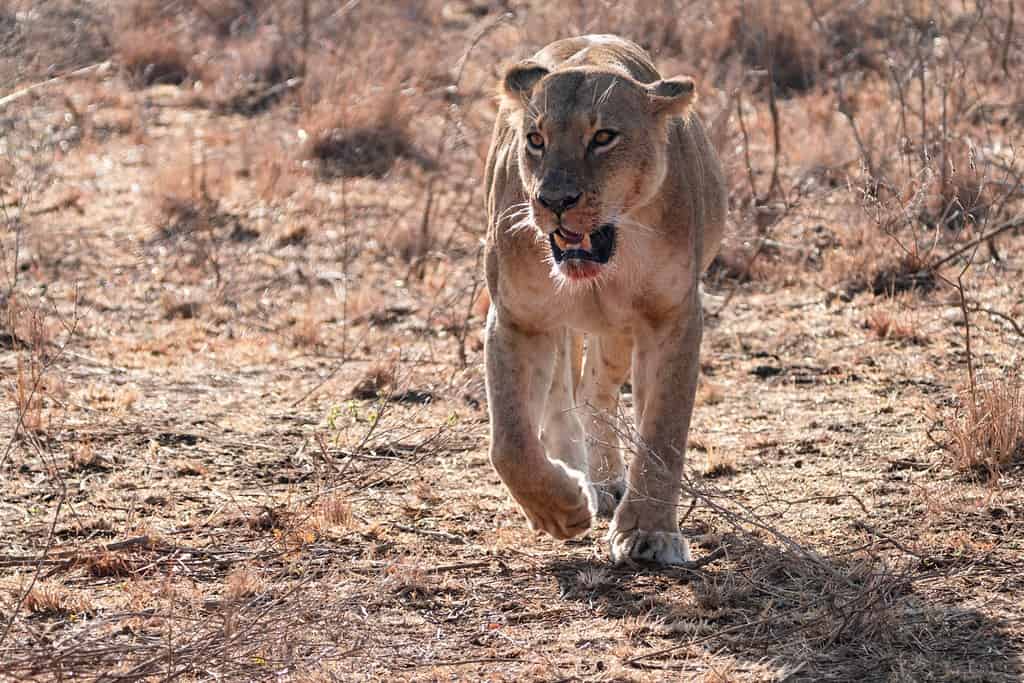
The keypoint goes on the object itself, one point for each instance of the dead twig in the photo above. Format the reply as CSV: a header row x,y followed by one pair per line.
x,y
861,525
18,94
444,535
1015,222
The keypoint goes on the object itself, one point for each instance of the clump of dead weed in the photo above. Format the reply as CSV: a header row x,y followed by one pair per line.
x,y
780,40
986,429
153,56
365,141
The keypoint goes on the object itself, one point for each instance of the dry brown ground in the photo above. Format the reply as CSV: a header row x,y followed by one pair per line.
x,y
241,353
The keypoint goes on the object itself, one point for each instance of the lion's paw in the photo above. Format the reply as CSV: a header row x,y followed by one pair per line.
x,y
567,507
639,545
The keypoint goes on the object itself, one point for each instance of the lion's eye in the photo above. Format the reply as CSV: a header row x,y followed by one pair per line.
x,y
535,141
604,137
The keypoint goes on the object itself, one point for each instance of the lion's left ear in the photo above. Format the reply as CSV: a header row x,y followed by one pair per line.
x,y
673,96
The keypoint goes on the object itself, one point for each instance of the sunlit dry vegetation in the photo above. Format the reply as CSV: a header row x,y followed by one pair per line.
x,y
241,304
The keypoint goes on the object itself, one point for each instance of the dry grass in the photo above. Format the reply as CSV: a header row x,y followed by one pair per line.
x,y
718,463
152,56
364,142
336,512
987,429
265,448
893,321
54,599
242,583
778,38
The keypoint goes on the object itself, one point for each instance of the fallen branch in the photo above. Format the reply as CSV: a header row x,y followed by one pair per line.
x,y
71,201
451,538
18,94
1015,222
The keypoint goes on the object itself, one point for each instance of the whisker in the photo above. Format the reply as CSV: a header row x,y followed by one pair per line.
x,y
632,223
524,223
513,210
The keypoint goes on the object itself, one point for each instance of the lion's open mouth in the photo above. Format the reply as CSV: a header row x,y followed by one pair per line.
x,y
596,246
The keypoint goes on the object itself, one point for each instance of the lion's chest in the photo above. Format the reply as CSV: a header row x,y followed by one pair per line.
x,y
625,305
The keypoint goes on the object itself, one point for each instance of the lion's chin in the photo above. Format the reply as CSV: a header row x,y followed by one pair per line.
x,y
580,271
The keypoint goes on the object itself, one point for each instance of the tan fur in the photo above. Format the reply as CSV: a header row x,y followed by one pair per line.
x,y
553,444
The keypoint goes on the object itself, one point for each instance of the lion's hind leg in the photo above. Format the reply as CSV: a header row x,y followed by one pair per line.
x,y
562,432
605,368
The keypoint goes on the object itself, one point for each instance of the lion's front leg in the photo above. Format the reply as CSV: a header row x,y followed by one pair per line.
x,y
520,365
645,526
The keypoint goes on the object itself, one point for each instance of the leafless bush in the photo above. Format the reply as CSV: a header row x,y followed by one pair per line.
x,y
778,38
365,140
153,56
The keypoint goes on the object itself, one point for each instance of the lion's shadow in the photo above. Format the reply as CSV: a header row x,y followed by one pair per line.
x,y
813,617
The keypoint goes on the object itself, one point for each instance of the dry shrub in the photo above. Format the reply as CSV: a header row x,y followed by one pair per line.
x,y
251,74
870,262
409,578
28,396
719,463
33,386
731,263
40,39
52,598
888,322
243,582
189,468
84,458
860,32
105,564
365,140
715,592
230,17
963,197
139,14
378,379
750,261
306,328
987,428
335,511
594,578
153,56
779,38
709,393
174,307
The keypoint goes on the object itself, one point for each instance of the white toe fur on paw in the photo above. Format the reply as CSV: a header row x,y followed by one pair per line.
x,y
637,545
585,486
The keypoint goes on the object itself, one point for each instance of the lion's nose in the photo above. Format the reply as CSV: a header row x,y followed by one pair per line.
x,y
558,201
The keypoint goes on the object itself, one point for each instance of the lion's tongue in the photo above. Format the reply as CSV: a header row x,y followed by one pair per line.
x,y
568,239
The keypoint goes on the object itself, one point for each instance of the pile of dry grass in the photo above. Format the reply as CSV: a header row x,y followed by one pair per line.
x,y
366,140
252,74
153,56
778,38
987,429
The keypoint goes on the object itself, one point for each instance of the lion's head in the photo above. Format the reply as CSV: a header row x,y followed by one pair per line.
x,y
592,149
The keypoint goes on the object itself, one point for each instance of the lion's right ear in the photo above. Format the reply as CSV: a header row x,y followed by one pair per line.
x,y
520,80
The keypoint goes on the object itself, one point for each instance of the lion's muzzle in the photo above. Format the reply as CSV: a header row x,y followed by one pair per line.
x,y
581,253
596,246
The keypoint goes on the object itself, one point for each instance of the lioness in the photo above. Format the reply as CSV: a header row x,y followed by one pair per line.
x,y
605,203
